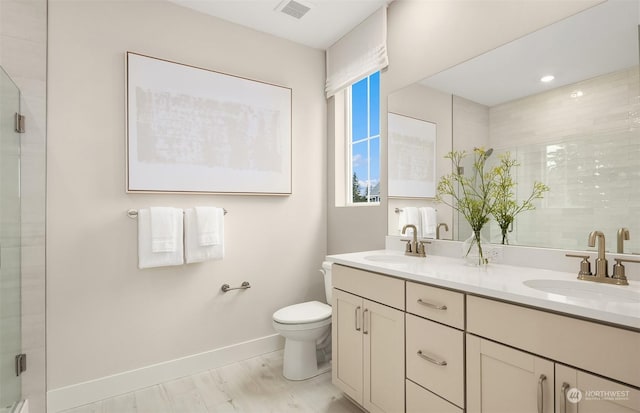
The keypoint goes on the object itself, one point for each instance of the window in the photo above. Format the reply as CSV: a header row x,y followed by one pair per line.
x,y
363,127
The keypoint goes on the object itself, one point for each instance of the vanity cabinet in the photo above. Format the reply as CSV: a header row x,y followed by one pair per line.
x,y
403,346
581,392
368,339
498,376
502,379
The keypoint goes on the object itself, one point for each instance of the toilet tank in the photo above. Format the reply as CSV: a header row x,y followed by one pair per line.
x,y
326,272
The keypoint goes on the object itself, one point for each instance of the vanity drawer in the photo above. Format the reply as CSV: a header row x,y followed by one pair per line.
x,y
606,350
420,400
426,339
381,288
436,304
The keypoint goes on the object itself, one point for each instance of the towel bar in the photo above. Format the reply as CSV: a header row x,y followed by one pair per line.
x,y
243,286
133,213
399,210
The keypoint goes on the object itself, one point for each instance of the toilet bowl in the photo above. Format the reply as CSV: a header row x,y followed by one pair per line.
x,y
306,328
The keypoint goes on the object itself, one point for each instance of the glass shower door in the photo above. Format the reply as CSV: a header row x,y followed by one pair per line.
x,y
10,275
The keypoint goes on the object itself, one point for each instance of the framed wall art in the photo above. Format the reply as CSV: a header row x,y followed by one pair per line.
x,y
193,130
411,157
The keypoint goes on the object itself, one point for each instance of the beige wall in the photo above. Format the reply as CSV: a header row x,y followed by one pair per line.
x,y
23,55
104,315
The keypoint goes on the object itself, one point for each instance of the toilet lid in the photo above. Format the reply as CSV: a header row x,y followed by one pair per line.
x,y
308,312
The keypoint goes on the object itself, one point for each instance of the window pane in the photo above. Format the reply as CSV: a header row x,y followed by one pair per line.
x,y
374,104
374,161
359,110
360,167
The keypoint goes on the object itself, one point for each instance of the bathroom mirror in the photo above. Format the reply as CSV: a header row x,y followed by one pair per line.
x,y
579,132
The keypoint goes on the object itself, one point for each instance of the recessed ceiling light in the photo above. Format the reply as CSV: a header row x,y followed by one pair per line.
x,y
547,78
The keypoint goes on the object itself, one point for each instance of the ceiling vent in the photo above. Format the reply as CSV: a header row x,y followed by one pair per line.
x,y
293,8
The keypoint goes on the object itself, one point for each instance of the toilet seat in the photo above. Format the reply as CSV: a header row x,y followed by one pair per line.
x,y
303,313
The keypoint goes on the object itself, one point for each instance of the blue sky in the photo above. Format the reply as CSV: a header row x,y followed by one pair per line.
x,y
360,127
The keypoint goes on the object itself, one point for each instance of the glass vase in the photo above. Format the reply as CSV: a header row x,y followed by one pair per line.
x,y
504,231
473,250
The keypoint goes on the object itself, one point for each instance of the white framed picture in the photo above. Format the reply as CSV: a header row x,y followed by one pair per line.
x,y
411,157
194,130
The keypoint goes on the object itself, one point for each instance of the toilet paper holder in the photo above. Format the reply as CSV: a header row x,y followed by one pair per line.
x,y
243,286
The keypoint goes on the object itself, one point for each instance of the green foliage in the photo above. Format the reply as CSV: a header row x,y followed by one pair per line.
x,y
355,188
505,206
470,195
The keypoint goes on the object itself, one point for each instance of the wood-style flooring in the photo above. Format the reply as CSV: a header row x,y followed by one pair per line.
x,y
251,386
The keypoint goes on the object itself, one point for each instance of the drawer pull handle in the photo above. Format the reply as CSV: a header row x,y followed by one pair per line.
x,y
565,387
364,321
357,318
541,381
431,359
434,306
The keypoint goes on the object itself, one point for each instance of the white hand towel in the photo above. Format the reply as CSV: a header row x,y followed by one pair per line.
x,y
164,228
146,257
409,215
429,219
208,220
193,251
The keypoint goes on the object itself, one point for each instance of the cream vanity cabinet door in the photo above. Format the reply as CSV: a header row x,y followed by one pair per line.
x,y
347,342
384,358
580,392
368,357
502,379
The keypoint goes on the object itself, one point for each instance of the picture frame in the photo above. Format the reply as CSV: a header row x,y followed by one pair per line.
x,y
411,157
195,130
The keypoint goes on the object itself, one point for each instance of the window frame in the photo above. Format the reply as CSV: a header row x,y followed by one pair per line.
x,y
349,144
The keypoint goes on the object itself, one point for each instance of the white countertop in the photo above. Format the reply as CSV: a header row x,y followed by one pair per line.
x,y
505,282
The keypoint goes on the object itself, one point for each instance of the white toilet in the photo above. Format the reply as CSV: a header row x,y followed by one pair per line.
x,y
306,328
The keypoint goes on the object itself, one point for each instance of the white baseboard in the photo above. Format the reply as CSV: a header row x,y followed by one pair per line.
x,y
91,391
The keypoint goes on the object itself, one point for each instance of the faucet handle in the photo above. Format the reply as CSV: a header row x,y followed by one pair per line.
x,y
585,265
421,248
407,248
619,270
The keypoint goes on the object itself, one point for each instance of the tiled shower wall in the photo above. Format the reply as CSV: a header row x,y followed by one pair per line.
x,y
23,46
583,141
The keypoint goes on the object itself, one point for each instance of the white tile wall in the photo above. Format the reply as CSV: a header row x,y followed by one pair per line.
x,y
587,150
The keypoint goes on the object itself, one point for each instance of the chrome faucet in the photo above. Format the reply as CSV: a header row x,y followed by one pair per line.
x,y
414,248
602,269
623,235
446,228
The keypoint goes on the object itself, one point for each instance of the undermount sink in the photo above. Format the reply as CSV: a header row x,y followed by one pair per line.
x,y
390,259
585,289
